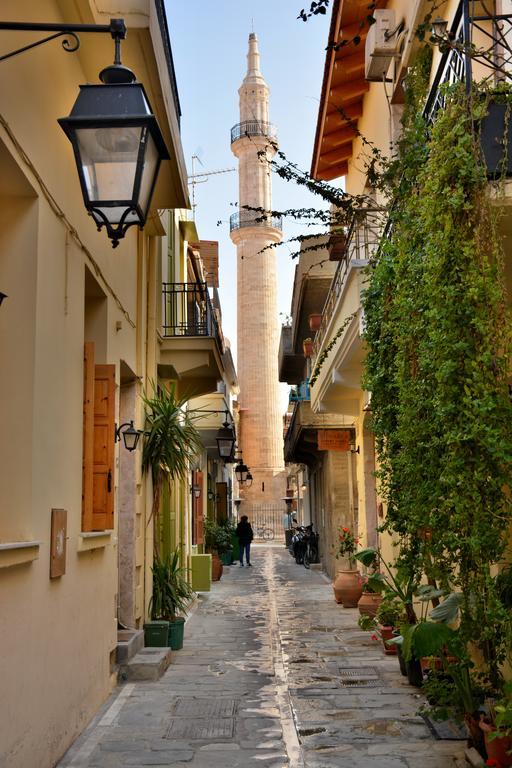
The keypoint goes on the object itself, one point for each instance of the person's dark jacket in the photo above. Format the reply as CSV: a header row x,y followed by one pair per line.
x,y
244,532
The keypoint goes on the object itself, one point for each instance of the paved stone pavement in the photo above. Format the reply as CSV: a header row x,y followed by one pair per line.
x,y
261,682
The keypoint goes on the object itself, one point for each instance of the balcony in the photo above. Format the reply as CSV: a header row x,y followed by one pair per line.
x,y
251,128
290,364
361,242
300,392
242,219
191,343
301,438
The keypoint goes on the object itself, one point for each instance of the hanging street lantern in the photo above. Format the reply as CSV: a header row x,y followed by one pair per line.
x,y
226,440
248,480
241,471
130,436
118,148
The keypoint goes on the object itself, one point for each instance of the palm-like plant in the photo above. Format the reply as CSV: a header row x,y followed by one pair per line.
x,y
171,592
171,442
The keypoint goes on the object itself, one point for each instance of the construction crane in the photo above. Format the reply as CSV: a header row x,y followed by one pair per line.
x,y
192,179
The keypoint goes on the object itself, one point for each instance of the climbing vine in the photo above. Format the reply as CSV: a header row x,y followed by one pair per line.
x,y
438,340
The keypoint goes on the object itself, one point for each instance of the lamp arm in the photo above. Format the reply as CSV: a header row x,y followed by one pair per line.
x,y
116,29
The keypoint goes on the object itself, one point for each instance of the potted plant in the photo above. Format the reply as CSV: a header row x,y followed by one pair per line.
x,y
227,555
388,618
337,246
171,442
347,584
315,321
217,541
371,597
497,729
307,346
171,597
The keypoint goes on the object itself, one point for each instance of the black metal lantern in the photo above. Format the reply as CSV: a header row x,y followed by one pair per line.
x,y
439,28
226,440
130,436
248,480
241,471
118,149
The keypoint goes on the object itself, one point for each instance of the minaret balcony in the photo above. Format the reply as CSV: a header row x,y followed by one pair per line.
x,y
252,219
253,128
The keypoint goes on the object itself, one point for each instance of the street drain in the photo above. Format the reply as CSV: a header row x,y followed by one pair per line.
x,y
311,731
302,661
359,677
193,718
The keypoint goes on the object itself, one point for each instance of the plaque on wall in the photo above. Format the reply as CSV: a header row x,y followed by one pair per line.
x,y
333,439
58,543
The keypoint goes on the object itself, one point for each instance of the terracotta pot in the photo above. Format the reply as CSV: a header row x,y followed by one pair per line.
x,y
347,588
307,347
315,321
368,604
387,634
497,748
217,567
337,247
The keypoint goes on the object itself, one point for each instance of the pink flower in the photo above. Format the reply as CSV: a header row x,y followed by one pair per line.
x,y
374,637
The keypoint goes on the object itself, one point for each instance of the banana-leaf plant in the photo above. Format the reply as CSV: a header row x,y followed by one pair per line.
x,y
401,582
171,442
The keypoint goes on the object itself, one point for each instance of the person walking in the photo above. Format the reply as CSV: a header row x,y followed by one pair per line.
x,y
245,536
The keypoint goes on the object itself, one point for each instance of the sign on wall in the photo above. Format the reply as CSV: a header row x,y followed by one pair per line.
x,y
333,439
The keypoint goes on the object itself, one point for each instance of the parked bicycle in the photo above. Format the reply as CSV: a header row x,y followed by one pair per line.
x,y
264,532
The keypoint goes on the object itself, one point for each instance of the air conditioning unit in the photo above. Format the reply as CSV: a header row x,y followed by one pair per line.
x,y
381,43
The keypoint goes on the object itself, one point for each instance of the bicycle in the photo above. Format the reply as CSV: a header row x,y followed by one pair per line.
x,y
310,550
262,532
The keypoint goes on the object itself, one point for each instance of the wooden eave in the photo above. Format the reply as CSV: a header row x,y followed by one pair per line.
x,y
343,90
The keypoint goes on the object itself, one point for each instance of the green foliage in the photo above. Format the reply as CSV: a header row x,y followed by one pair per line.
x,y
171,442
171,591
217,537
438,341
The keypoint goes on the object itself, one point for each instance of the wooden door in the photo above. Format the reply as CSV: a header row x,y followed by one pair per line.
x,y
197,510
88,437
222,501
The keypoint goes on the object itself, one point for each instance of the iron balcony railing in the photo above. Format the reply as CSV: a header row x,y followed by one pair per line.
x,y
253,128
252,219
188,311
362,242
477,37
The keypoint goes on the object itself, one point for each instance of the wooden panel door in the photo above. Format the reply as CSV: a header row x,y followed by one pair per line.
x,y
103,450
197,510
222,501
88,437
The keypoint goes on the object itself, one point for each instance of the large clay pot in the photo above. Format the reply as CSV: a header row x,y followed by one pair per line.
x,y
497,748
315,321
387,634
347,588
368,604
216,567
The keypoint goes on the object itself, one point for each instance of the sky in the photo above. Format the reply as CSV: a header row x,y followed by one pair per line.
x,y
209,41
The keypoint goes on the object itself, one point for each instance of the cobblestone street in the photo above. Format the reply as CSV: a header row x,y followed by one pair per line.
x,y
273,673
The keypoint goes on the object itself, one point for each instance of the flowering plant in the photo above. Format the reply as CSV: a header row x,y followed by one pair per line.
x,y
347,544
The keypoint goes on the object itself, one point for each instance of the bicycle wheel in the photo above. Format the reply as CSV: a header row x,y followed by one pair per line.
x,y
269,534
305,560
266,534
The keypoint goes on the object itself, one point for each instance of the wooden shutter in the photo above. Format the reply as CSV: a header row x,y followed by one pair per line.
x,y
103,461
88,437
222,501
197,510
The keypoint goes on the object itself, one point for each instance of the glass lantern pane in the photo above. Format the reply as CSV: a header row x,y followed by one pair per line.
x,y
148,173
109,161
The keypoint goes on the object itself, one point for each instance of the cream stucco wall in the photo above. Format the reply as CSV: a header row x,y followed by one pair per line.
x,y
65,285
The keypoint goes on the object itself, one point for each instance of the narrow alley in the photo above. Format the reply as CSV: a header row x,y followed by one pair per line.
x,y
273,673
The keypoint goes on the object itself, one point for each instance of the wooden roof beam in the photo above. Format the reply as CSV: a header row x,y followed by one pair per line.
x,y
330,173
349,68
349,91
336,118
337,156
338,137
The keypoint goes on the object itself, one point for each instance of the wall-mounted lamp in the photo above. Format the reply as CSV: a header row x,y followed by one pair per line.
x,y
212,496
2,297
440,28
241,471
196,490
226,440
353,447
248,480
116,140
130,435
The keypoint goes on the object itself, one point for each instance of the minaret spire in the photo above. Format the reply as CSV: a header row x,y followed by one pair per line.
x,y
253,62
254,142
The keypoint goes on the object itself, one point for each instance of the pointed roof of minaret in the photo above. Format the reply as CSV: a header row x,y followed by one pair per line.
x,y
253,62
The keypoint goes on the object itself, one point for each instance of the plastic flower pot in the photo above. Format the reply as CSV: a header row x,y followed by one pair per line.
x,y
176,632
156,634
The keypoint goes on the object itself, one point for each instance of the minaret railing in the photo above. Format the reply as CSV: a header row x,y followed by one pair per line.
x,y
249,219
253,128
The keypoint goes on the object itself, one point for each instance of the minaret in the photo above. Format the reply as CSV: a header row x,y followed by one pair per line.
x,y
253,141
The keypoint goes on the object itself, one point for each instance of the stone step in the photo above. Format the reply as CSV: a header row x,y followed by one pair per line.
x,y
147,664
129,643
